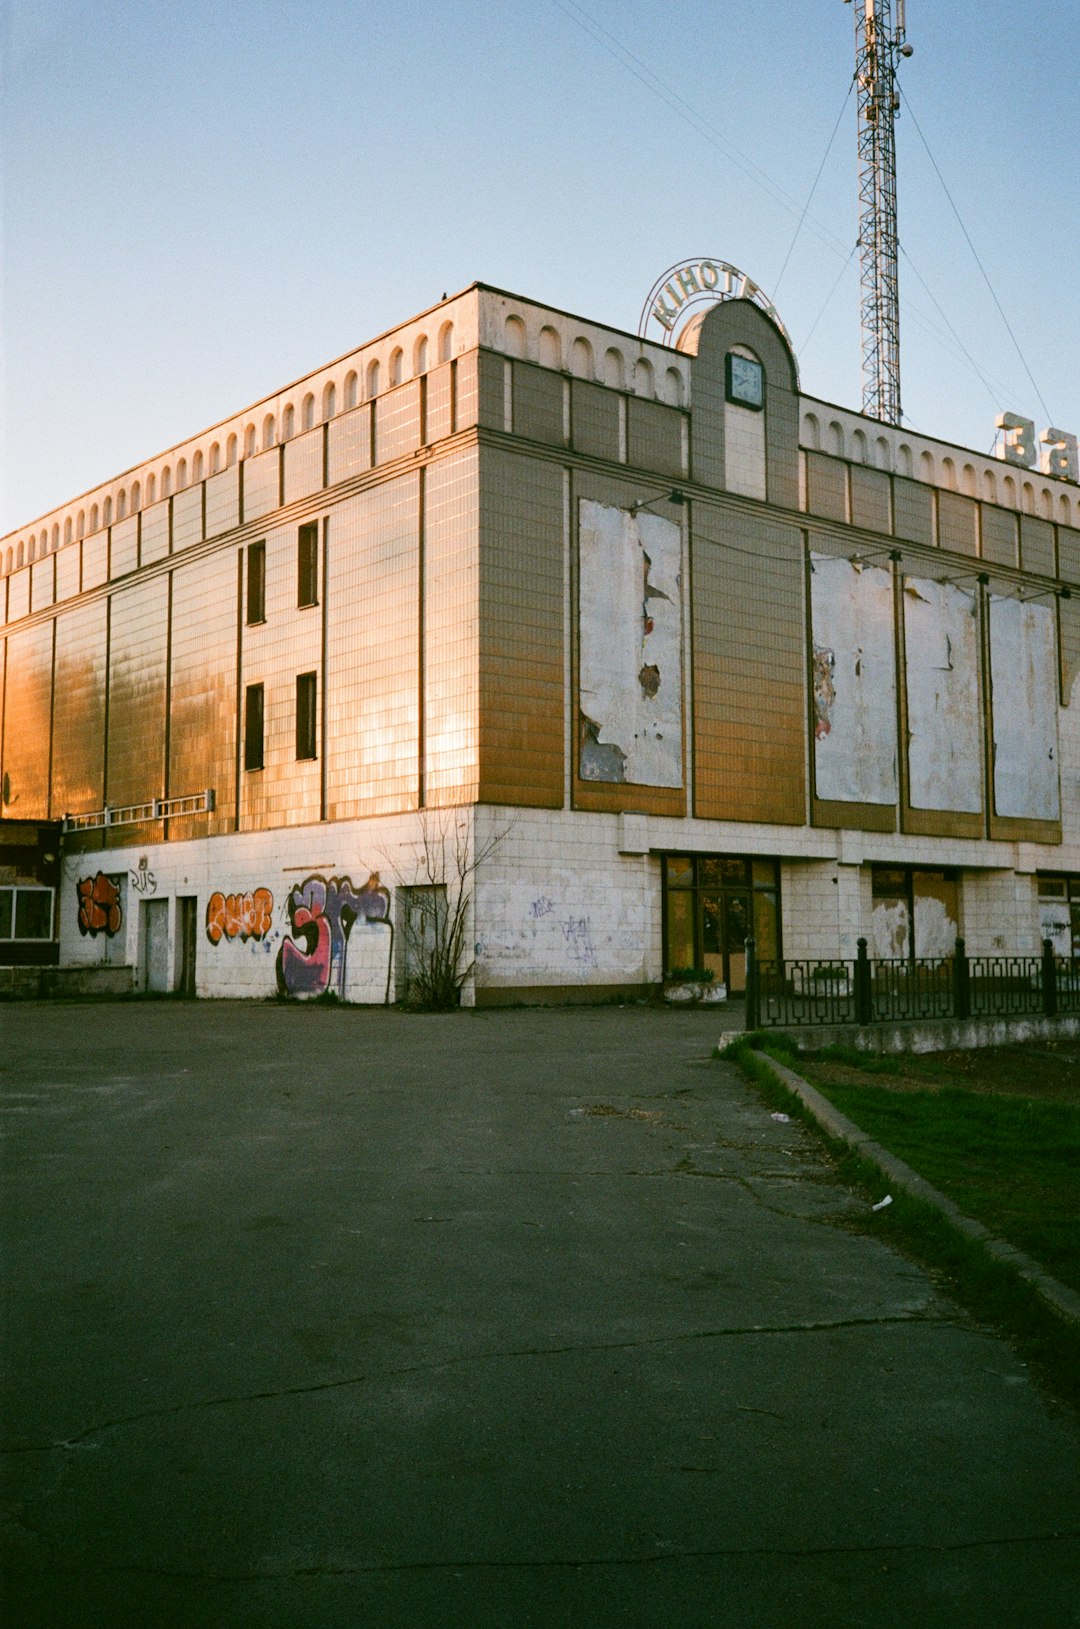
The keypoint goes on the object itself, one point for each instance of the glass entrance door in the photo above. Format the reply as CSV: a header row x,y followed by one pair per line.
x,y
712,904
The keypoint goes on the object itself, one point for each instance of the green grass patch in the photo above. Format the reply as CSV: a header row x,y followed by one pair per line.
x,y
1013,1163
1012,1168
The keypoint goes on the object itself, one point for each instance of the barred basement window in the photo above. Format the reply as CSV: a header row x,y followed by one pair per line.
x,y
307,565
253,727
256,583
306,696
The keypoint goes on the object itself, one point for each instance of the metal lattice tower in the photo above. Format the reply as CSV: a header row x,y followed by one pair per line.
x,y
878,46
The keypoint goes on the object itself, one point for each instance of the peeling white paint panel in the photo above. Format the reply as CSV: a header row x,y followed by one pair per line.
x,y
889,929
941,638
1023,672
935,916
630,620
854,681
1055,924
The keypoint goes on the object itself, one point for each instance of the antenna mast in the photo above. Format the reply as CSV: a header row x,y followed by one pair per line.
x,y
878,46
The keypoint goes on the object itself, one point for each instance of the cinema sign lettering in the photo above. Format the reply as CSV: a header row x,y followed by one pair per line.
x,y
693,282
1059,458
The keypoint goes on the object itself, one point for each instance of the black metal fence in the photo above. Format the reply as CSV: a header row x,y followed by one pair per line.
x,y
795,993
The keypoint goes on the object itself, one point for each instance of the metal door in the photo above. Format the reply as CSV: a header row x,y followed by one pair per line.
x,y
188,907
155,943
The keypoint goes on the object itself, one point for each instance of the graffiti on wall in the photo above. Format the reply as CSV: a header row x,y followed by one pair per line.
x,y
99,905
239,916
322,913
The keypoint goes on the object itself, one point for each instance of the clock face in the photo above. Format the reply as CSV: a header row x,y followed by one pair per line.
x,y
745,381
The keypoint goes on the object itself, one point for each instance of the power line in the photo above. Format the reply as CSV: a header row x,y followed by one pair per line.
x,y
687,112
991,392
817,178
975,254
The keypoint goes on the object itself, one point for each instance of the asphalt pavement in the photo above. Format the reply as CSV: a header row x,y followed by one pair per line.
x,y
351,1319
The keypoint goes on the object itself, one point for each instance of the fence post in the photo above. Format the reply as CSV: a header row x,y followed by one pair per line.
x,y
961,982
1049,979
753,993
864,994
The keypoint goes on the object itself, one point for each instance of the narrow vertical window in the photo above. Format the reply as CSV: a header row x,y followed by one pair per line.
x,y
256,582
253,727
306,695
307,565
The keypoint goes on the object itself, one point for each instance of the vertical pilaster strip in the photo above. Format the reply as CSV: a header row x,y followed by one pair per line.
x,y
165,786
239,683
421,647
105,731
52,716
569,700
324,687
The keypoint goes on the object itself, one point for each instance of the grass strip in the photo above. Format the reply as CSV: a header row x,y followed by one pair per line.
x,y
992,1291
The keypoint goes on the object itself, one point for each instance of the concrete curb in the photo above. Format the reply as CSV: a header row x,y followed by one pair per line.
x,y
1062,1300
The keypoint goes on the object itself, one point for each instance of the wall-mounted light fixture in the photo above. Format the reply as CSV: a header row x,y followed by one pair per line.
x,y
673,495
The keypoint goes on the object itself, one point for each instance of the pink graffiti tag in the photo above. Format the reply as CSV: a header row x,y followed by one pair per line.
x,y
99,905
322,915
239,916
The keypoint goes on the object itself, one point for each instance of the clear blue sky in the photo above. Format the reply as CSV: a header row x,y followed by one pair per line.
x,y
201,202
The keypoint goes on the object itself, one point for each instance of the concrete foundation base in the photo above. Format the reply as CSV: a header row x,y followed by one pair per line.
x,y
927,1035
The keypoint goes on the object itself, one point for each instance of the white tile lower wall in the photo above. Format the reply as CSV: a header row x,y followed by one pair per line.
x,y
557,903
266,907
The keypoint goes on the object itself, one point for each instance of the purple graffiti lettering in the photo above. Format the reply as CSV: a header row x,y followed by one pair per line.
x,y
321,915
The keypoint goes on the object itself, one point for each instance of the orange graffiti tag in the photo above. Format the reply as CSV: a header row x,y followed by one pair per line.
x,y
99,905
239,916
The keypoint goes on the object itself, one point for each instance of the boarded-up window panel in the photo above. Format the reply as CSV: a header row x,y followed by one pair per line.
x,y
187,519
43,582
999,535
854,675
304,465
1068,554
826,486
79,710
913,511
19,594
958,523
654,436
749,677
1037,545
397,423
595,419
68,566
26,721
538,404
440,401
124,548
223,501
349,451
95,560
941,640
869,499
155,532
1024,682
629,677
262,484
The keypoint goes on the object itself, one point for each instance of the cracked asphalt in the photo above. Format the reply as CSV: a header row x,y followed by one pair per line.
x,y
321,1317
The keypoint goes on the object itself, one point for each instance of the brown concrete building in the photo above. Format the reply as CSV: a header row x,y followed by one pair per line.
x,y
691,653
